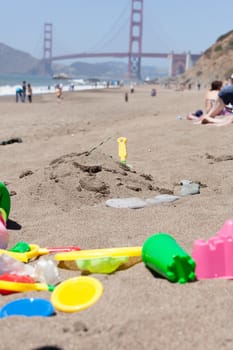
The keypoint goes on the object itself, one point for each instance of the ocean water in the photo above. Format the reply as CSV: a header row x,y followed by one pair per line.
x,y
8,84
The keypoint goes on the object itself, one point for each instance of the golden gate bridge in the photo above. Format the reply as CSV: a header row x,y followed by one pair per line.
x,y
178,62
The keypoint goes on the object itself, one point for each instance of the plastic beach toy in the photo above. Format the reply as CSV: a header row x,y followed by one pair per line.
x,y
20,247
14,278
23,257
3,216
122,151
20,251
101,265
5,201
23,247
99,253
46,271
5,204
27,307
214,257
25,287
52,250
4,235
4,213
76,294
227,229
161,253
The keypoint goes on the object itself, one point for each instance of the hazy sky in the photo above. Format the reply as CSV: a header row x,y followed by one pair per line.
x,y
103,25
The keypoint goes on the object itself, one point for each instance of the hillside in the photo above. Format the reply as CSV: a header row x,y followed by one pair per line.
x,y
14,61
215,63
110,70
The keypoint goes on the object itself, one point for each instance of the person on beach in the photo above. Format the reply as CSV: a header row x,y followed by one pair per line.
x,y
24,87
212,94
18,94
230,81
153,92
29,93
59,91
222,111
210,98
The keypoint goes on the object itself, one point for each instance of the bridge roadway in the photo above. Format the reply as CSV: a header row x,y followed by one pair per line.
x,y
121,55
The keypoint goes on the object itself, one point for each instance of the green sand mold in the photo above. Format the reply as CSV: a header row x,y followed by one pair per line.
x,y
162,254
5,201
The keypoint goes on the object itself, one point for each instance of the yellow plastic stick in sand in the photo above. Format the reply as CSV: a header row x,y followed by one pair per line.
x,y
99,253
122,150
25,287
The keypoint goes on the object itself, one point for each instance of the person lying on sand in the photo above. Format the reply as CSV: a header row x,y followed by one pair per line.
x,y
222,111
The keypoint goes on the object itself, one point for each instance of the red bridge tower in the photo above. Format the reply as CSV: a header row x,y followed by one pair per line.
x,y
135,39
48,46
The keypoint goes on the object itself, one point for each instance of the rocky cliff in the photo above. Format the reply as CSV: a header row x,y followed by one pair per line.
x,y
215,63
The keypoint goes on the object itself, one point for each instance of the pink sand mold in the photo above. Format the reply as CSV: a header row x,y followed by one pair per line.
x,y
227,229
214,257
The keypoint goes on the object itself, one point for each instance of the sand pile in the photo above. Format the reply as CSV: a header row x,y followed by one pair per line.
x,y
89,178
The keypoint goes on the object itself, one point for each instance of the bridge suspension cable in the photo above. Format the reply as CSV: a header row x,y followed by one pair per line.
x,y
106,38
168,42
148,26
134,52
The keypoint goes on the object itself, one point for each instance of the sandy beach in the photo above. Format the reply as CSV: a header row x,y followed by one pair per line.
x,y
53,203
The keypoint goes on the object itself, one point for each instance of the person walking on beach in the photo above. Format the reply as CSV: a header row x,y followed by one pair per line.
x,y
132,88
24,87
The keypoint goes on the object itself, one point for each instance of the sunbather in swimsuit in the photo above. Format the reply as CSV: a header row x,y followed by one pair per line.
x,y
212,94
224,101
210,99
